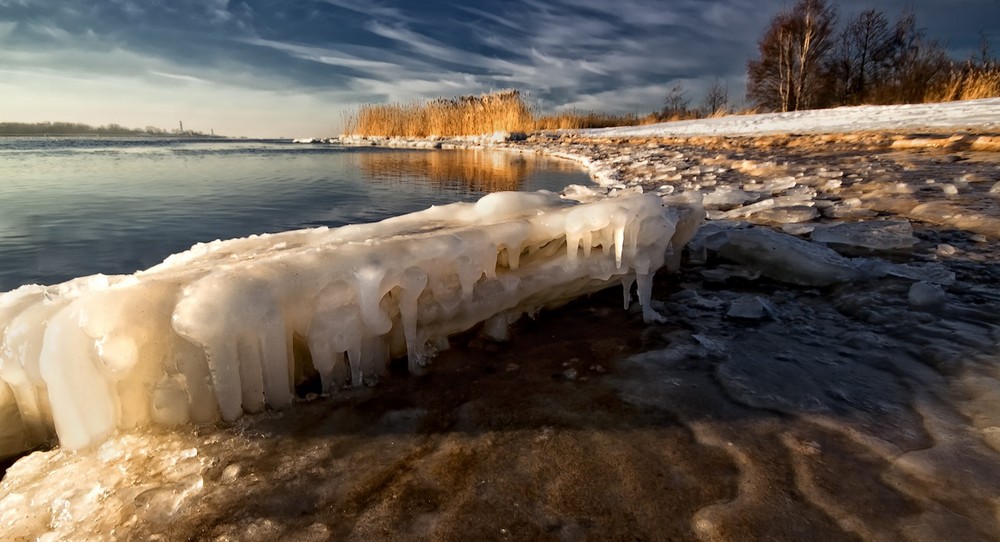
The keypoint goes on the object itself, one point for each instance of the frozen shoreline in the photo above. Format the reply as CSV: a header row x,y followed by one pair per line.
x,y
780,400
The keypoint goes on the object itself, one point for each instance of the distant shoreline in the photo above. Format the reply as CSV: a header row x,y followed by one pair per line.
x,y
142,135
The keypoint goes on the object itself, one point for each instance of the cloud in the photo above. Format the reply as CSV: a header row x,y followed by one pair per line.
x,y
371,8
586,54
178,77
322,55
503,21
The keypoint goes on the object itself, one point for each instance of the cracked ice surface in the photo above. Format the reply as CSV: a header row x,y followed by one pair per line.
x,y
230,327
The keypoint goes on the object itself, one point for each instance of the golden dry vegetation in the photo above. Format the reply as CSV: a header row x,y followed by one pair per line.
x,y
967,84
505,111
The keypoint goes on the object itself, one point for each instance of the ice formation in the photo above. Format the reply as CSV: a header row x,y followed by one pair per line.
x,y
230,327
871,235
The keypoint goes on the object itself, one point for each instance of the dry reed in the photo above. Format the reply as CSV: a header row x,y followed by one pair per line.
x,y
970,83
505,111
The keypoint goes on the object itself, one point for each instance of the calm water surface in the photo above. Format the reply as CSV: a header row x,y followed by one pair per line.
x,y
71,207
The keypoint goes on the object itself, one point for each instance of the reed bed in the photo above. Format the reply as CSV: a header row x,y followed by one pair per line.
x,y
971,83
505,111
575,120
465,115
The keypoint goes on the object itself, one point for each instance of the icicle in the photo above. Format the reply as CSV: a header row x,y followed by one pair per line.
x,y
618,221
210,333
412,284
627,282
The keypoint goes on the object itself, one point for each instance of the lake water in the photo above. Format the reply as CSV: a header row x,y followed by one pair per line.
x,y
71,207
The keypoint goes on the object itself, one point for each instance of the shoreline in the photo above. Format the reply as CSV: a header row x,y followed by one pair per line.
x,y
858,406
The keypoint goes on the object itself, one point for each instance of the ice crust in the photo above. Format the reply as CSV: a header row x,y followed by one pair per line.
x,y
230,327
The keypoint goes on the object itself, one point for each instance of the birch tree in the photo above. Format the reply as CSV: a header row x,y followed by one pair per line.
x,y
789,74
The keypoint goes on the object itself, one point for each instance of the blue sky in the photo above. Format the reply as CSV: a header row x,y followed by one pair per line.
x,y
290,67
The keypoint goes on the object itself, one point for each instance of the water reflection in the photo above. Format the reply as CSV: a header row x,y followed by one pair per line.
x,y
466,170
65,213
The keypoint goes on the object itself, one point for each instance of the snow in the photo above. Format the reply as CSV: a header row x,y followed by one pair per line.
x,y
983,114
218,330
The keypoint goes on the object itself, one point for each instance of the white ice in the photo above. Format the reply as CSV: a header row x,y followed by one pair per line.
x,y
222,329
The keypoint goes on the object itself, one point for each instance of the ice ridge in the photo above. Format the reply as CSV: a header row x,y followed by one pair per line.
x,y
229,327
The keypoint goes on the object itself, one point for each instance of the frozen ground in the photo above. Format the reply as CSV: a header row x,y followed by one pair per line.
x,y
828,370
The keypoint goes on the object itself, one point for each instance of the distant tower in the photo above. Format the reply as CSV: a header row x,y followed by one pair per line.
x,y
182,126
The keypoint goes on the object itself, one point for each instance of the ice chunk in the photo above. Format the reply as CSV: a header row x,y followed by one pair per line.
x,y
871,235
728,196
751,308
226,327
770,203
934,273
772,186
788,259
926,296
787,215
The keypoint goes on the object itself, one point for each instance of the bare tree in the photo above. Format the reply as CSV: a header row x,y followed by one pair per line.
x,y
675,105
716,99
984,59
918,64
793,49
863,52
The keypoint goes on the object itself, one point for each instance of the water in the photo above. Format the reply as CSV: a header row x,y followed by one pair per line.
x,y
71,207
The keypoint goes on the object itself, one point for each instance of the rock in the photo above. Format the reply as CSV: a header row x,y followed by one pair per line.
x,y
945,249
503,137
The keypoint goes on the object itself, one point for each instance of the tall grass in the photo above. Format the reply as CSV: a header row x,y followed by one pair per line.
x,y
465,115
576,120
505,111
968,83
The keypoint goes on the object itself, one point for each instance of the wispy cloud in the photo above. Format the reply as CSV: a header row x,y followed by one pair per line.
x,y
482,14
371,8
178,77
323,55
613,56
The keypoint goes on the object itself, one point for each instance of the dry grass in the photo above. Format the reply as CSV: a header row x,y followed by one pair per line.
x,y
505,111
970,83
574,120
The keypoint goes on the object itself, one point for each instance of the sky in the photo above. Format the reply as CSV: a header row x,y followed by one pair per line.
x,y
290,68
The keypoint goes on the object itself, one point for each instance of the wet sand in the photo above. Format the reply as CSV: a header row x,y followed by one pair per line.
x,y
842,412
